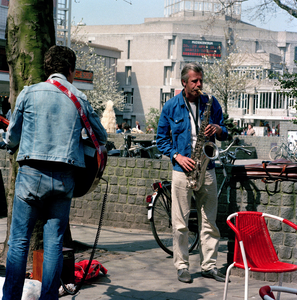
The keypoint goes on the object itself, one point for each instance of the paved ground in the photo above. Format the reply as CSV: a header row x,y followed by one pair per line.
x,y
139,269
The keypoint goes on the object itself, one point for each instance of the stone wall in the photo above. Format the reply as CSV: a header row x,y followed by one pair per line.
x,y
129,182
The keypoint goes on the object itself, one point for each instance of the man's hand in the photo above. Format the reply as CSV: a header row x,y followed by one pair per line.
x,y
212,129
3,145
185,162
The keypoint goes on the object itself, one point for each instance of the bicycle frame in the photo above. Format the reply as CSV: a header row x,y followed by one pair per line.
x,y
158,187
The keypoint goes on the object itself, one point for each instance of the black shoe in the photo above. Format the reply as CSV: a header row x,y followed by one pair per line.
x,y
184,275
215,274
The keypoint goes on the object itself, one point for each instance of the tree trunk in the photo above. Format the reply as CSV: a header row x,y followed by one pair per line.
x,y
30,32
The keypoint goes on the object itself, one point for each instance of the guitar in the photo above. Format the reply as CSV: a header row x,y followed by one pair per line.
x,y
87,179
3,123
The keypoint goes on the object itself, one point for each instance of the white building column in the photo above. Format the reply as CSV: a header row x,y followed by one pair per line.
x,y
251,104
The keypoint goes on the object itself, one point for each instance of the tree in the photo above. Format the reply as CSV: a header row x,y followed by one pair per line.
x,y
152,119
105,86
288,6
231,127
222,81
288,85
266,8
29,34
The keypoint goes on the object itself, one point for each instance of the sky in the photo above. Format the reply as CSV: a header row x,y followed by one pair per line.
x,y
117,12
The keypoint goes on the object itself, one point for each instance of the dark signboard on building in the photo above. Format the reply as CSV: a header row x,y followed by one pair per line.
x,y
83,75
201,48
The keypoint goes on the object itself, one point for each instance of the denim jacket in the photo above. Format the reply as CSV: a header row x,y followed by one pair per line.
x,y
175,117
46,124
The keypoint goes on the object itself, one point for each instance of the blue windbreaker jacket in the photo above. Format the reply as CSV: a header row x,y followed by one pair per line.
x,y
175,117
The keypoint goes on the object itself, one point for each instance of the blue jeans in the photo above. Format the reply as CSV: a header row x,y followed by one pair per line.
x,y
46,194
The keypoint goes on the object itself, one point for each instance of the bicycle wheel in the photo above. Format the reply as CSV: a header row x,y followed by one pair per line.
x,y
275,153
162,228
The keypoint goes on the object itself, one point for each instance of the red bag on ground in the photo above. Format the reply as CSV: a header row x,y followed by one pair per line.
x,y
95,268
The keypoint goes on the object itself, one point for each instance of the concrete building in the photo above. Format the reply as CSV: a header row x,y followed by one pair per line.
x,y
155,52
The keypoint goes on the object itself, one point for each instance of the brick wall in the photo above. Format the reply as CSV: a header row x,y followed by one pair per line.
x,y
129,182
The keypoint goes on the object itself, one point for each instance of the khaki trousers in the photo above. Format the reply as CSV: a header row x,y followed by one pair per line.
x,y
207,205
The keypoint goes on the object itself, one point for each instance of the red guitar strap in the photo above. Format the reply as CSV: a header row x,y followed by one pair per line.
x,y
72,97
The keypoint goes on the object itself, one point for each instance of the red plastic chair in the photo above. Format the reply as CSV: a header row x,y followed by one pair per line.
x,y
253,249
266,292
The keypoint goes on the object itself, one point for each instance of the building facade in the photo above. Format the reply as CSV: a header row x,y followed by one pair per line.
x,y
154,53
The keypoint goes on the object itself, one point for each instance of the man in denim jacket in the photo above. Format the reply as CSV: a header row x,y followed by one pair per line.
x,y
178,128
46,126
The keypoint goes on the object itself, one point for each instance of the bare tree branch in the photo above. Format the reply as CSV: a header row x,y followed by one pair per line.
x,y
292,11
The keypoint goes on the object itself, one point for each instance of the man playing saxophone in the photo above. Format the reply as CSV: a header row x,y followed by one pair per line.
x,y
178,137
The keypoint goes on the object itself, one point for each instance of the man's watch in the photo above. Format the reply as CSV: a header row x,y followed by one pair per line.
x,y
175,155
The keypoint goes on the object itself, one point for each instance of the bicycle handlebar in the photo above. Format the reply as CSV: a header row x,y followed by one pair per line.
x,y
225,150
249,152
230,156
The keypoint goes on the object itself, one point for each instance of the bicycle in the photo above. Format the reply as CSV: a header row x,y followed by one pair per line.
x,y
159,205
283,151
140,150
137,150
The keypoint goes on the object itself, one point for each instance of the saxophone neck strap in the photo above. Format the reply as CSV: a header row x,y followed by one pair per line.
x,y
195,118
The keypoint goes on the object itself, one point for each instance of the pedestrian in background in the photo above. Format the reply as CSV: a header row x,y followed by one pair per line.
x,y
251,130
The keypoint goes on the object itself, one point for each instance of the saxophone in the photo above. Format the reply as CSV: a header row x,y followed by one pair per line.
x,y
204,151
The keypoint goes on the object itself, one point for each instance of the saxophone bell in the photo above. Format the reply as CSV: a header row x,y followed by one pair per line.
x,y
210,150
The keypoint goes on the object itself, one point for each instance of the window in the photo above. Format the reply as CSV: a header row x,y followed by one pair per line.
x,y
278,100
128,74
265,100
166,96
217,7
188,5
170,48
291,103
207,6
128,49
128,97
167,75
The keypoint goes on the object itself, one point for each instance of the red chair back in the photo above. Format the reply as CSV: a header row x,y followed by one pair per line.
x,y
260,252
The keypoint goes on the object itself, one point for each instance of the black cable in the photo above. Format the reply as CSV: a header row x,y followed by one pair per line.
x,y
79,285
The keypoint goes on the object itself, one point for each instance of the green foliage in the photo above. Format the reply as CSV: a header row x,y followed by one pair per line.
x,y
288,86
220,79
288,83
232,129
152,118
